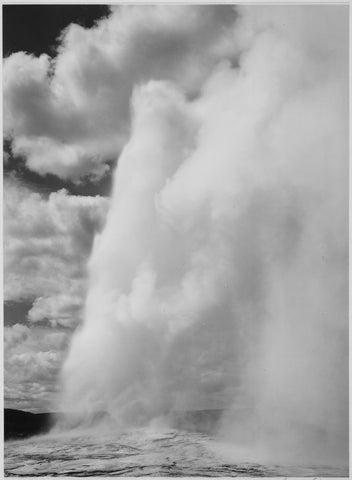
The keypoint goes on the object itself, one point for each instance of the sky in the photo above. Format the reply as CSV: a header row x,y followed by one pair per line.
x,y
35,345
175,217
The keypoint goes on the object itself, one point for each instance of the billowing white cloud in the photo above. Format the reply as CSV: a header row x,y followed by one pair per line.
x,y
33,358
46,245
15,335
69,115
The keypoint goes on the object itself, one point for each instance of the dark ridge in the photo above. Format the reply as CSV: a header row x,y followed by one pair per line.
x,y
19,424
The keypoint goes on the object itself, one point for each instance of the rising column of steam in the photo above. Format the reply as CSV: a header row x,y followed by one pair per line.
x,y
220,278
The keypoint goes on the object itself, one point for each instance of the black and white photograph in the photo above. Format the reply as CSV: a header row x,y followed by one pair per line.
x,y
175,239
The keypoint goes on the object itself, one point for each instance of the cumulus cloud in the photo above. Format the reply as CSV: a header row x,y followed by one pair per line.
x,y
69,115
33,358
46,245
15,335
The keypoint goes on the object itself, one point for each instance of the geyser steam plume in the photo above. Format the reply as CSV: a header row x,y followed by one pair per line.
x,y
220,279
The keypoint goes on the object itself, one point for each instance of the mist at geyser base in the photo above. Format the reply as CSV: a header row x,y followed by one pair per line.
x,y
220,279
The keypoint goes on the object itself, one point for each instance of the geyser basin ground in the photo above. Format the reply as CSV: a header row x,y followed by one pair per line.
x,y
141,452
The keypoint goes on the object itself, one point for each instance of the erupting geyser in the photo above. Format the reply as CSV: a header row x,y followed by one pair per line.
x,y
220,279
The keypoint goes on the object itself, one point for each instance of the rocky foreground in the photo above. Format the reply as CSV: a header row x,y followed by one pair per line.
x,y
141,452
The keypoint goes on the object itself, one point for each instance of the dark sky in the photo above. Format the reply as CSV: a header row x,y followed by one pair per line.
x,y
35,29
